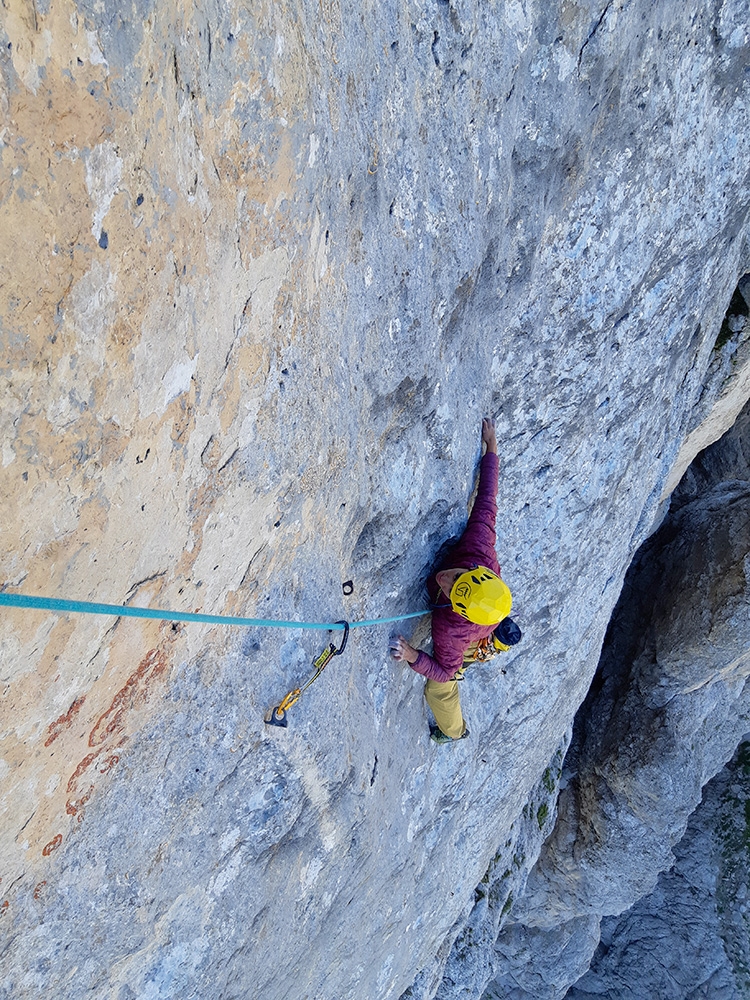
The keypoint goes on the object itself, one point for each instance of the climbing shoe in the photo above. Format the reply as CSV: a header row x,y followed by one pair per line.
x,y
438,736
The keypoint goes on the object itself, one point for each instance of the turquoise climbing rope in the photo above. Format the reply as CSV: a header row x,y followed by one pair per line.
x,y
125,611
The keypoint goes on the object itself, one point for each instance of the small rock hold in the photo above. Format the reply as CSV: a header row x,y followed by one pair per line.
x,y
103,240
736,323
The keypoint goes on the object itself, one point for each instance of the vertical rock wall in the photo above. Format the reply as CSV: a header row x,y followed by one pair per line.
x,y
262,270
694,925
668,706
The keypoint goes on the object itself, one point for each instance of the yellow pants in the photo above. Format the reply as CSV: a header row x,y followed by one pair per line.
x,y
445,703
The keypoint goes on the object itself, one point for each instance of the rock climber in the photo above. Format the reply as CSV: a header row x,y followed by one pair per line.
x,y
470,607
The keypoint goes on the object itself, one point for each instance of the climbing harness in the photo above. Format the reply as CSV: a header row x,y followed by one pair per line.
x,y
277,715
483,649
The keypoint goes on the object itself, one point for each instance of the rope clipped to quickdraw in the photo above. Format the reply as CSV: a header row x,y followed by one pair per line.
x,y
277,715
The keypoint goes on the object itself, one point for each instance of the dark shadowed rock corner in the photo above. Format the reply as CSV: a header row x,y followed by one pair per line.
x,y
690,937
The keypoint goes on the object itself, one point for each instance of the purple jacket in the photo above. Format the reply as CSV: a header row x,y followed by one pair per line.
x,y
451,633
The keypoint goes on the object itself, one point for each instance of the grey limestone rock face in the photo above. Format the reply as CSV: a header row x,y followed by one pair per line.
x,y
472,960
668,706
726,386
263,268
530,963
688,938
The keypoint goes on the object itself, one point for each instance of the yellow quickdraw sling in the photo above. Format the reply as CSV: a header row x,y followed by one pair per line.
x,y
277,716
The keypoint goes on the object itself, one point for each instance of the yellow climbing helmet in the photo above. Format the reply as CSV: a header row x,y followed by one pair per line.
x,y
480,596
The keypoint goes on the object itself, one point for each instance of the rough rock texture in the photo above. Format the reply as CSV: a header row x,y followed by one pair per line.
x,y
669,704
690,937
729,372
262,269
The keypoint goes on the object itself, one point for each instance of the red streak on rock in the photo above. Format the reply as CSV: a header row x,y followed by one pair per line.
x,y
38,889
109,728
81,768
134,692
72,806
65,721
108,764
52,846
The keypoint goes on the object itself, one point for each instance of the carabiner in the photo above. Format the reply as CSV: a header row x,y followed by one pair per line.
x,y
342,647
277,715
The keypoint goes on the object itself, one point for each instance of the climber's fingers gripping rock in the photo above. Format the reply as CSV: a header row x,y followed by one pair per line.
x,y
488,434
401,650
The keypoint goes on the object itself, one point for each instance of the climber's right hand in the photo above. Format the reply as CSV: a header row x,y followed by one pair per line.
x,y
401,650
488,434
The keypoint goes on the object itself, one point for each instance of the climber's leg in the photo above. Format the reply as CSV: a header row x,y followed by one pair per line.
x,y
444,701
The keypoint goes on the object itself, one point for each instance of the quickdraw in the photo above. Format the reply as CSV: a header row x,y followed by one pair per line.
x,y
485,649
277,715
